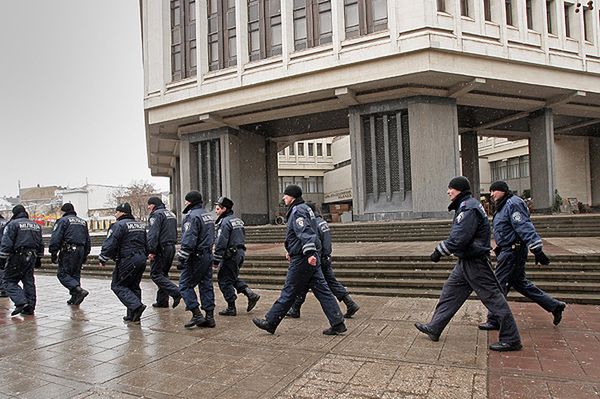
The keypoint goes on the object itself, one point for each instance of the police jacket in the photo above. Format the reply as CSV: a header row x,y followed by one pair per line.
x,y
20,233
230,236
70,230
324,236
470,233
162,229
125,238
198,231
513,225
302,235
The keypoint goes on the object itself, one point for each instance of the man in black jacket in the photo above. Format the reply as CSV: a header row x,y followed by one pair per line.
x,y
469,241
161,239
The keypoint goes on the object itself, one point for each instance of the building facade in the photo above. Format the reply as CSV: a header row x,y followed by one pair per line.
x,y
413,83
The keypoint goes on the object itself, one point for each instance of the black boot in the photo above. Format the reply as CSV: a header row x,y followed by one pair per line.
x,y
196,320
230,311
71,300
209,320
136,315
351,306
253,297
264,325
336,330
127,317
294,312
176,300
79,295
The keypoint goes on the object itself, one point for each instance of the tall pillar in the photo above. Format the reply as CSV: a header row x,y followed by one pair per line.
x,y
595,170
541,160
469,153
272,164
177,204
434,152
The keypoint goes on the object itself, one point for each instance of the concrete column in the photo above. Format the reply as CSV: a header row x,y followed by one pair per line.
x,y
177,203
541,160
188,167
272,163
433,126
595,170
469,152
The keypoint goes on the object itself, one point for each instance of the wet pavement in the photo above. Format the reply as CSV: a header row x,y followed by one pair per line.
x,y
89,352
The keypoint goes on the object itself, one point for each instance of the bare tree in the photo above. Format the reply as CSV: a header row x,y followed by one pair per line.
x,y
137,194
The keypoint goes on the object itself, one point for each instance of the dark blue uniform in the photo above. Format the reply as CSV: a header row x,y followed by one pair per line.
x,y
338,290
195,255
301,242
162,237
514,234
126,244
71,238
3,293
229,254
469,240
21,250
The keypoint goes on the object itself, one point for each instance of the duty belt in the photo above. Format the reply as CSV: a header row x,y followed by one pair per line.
x,y
516,246
24,251
70,247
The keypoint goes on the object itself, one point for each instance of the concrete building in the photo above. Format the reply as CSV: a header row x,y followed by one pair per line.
x,y
230,83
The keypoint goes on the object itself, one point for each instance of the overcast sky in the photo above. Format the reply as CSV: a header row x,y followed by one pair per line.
x,y
71,91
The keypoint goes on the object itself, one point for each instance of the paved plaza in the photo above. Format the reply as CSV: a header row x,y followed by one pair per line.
x,y
89,352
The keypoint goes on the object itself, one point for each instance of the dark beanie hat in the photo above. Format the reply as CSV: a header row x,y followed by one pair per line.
x,y
124,207
193,197
68,207
155,201
293,191
460,183
224,202
18,209
499,185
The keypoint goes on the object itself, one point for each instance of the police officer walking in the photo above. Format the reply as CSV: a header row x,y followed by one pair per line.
x,y
71,238
195,261
161,239
338,290
3,293
229,256
469,240
125,243
515,234
302,245
21,251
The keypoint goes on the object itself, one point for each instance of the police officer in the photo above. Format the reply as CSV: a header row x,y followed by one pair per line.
x,y
3,293
195,261
229,257
162,236
125,243
338,290
469,240
21,251
302,245
71,238
515,235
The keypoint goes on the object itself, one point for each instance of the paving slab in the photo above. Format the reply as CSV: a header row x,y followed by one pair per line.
x,y
89,352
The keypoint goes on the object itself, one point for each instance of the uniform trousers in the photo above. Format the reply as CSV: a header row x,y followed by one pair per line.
x,y
229,277
159,272
300,277
337,289
197,272
474,275
69,267
126,279
19,269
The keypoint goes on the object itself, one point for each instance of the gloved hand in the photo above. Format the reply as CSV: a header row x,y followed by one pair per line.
x,y
215,264
436,256
497,250
541,258
2,263
38,262
181,263
54,257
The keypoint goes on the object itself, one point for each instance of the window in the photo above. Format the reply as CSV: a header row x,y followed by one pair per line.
x,y
509,12
550,16
301,149
264,28
319,149
441,5
512,168
464,8
292,149
221,34
524,166
568,19
487,10
183,39
529,12
364,16
311,149
312,23
328,150
588,25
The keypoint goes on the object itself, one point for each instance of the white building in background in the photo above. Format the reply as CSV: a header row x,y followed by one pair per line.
x,y
93,202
